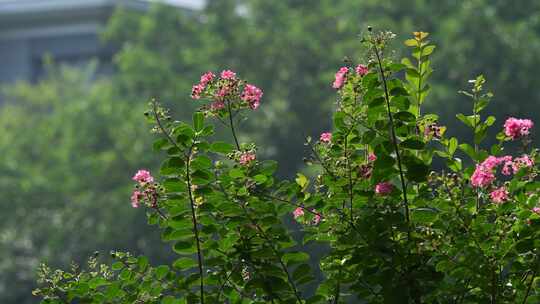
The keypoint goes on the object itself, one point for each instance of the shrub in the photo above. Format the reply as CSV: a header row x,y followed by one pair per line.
x,y
408,214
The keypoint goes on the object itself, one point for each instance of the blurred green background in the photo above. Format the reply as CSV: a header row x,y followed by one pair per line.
x,y
71,139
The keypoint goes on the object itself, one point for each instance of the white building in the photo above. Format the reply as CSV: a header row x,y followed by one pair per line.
x,y
67,30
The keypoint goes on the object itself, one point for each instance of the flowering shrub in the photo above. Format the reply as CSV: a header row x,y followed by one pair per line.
x,y
396,229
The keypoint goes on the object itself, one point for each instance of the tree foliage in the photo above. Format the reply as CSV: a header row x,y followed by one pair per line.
x,y
397,229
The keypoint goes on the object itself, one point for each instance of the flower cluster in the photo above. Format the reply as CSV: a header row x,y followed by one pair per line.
x,y
499,195
384,188
145,190
362,70
252,95
225,89
325,137
246,158
299,213
484,174
516,128
341,75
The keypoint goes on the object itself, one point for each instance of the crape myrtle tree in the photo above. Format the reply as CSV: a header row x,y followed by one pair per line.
x,y
397,230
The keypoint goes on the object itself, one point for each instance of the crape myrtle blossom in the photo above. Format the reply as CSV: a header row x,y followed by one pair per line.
x,y
325,137
135,197
298,212
499,195
522,162
341,77
484,173
246,158
384,188
361,70
143,177
252,95
225,89
144,190
207,78
228,74
516,128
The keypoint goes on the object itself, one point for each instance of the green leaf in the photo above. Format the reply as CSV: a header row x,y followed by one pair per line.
x,y
423,215
221,147
452,146
260,178
339,120
236,173
198,121
405,116
184,263
302,181
411,42
184,247
427,50
413,144
161,271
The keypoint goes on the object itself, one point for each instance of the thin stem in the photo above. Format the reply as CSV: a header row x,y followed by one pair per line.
x,y
338,288
191,200
195,225
348,165
394,140
231,122
529,286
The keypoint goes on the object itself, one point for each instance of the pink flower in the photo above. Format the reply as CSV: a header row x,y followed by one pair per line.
x,y
316,218
143,177
223,91
217,105
361,70
341,77
516,128
252,95
482,177
372,157
207,78
536,210
196,91
135,196
246,158
298,212
483,174
384,188
499,195
326,137
522,162
507,165
228,74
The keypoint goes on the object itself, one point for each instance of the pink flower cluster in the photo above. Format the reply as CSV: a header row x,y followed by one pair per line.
x,y
252,95
299,212
384,188
361,70
228,74
224,89
484,174
199,88
499,195
144,181
326,137
341,77
246,158
516,128
143,177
